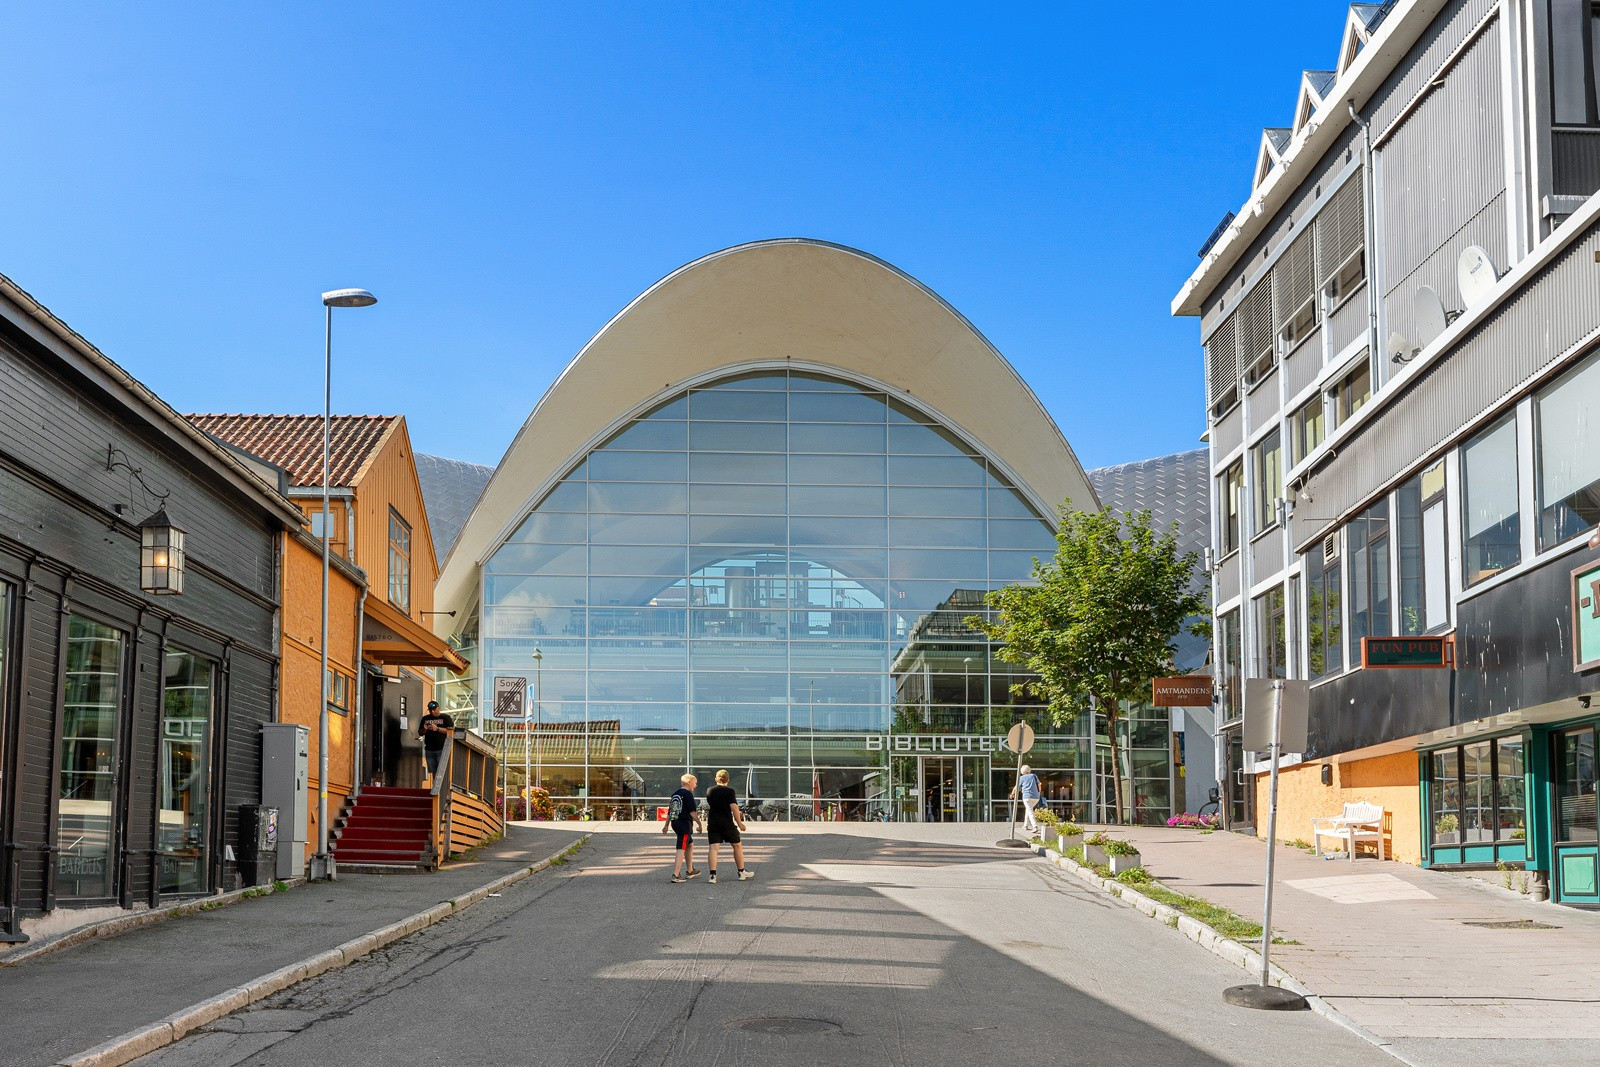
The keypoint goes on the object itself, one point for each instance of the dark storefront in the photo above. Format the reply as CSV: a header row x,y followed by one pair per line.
x,y
129,719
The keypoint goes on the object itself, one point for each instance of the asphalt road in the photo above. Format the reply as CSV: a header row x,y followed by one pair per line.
x,y
843,950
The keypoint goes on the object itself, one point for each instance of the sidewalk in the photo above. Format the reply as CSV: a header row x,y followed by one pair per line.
x,y
55,1006
1397,949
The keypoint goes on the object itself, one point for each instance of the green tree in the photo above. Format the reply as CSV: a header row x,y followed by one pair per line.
x,y
1098,621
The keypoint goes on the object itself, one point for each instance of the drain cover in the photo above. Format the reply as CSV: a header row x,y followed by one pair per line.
x,y
783,1026
1510,924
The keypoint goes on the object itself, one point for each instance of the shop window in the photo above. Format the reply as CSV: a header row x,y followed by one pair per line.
x,y
1476,793
1492,534
1567,454
1424,551
1307,427
88,758
1324,624
1231,491
399,562
1272,638
1367,537
1268,461
188,699
1575,785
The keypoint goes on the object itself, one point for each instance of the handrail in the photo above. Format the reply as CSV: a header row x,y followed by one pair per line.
x,y
441,794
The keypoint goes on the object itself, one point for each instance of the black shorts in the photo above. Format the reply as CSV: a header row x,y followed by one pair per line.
x,y
722,833
682,838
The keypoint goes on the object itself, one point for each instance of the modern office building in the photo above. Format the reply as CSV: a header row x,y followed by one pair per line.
x,y
1404,393
743,530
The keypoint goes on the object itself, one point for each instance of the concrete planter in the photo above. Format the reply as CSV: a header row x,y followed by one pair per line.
x,y
1066,841
1094,855
1118,864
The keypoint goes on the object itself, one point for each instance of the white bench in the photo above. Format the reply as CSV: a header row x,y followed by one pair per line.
x,y
1360,821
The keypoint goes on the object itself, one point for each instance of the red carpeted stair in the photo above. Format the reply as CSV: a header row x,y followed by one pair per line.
x,y
388,827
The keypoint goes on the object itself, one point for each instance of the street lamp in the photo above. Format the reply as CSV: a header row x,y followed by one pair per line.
x,y
322,863
538,722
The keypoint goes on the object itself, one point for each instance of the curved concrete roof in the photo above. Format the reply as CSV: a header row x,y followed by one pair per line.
x,y
797,303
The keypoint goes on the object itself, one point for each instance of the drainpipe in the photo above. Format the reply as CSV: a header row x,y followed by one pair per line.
x,y
1369,235
358,732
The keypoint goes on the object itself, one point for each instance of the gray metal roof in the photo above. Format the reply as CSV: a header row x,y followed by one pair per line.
x,y
1175,489
450,488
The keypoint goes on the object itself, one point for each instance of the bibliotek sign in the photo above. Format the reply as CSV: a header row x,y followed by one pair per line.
x,y
1405,652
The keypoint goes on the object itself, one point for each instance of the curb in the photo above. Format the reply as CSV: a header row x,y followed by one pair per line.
x,y
149,917
158,1035
1240,955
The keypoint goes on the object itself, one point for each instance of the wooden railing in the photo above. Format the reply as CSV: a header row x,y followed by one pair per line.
x,y
464,814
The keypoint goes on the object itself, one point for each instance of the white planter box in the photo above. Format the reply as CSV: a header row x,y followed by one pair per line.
x,y
1119,864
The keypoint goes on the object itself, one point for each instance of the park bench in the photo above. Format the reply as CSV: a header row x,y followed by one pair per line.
x,y
1360,821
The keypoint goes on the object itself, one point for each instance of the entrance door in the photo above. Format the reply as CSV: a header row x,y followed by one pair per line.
x,y
954,788
1577,844
1239,809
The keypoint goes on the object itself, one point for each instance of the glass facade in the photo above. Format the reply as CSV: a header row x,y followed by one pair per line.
x,y
769,574
88,760
188,697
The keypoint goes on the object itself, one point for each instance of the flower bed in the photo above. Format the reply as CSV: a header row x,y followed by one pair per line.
x,y
1196,822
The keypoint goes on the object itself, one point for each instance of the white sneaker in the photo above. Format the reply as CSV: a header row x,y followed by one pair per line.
x,y
745,876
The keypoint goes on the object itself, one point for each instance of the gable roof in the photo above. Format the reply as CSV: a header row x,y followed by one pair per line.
x,y
294,442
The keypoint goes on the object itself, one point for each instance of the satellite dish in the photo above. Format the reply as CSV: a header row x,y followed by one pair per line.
x,y
1399,348
1476,276
1430,316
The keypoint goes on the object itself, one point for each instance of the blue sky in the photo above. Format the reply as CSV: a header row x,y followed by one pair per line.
x,y
183,179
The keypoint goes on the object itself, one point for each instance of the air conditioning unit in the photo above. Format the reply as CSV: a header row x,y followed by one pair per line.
x,y
1330,549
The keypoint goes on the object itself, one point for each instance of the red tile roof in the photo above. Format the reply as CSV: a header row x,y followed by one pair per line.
x,y
294,442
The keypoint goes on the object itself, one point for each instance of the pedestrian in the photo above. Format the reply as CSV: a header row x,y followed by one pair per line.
x,y
435,729
1028,786
683,816
724,823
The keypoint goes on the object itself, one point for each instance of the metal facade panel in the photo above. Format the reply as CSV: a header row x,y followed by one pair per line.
x,y
1487,230
1442,166
1261,404
1228,579
1528,334
1228,433
1301,366
1413,73
1348,322
1575,163
1266,556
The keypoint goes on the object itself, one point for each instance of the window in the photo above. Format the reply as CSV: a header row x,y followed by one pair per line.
x,y
1352,393
1567,451
1222,365
1575,785
1573,28
317,524
1295,285
1347,279
187,702
1307,427
88,760
338,692
1491,540
1272,643
1231,490
1341,243
1368,539
1424,550
1475,793
1324,648
399,562
1258,349
1268,458
1229,647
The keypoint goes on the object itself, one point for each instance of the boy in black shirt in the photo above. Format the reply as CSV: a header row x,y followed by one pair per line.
x,y
435,729
724,821
683,816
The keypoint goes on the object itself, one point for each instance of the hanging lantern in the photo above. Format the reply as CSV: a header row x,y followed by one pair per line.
x,y
160,555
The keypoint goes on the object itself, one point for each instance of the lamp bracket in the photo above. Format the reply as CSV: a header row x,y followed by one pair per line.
x,y
117,459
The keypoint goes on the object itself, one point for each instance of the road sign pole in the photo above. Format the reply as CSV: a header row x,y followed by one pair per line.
x,y
1019,739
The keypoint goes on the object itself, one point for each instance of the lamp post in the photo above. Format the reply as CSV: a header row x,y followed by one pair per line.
x,y
538,722
322,863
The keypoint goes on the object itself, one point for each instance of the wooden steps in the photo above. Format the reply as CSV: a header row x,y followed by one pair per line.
x,y
388,828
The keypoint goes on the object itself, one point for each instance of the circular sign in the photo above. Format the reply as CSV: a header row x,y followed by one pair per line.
x,y
1019,738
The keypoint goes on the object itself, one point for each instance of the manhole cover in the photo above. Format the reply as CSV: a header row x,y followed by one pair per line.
x,y
783,1026
1510,924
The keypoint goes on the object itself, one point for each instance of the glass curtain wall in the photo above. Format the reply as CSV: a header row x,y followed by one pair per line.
x,y
769,574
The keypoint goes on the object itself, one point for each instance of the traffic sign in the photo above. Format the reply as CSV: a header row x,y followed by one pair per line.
x,y
510,697
1019,738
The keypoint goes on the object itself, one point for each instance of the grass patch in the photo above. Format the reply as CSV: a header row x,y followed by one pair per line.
x,y
1220,919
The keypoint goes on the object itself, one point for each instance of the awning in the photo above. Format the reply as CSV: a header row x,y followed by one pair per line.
x,y
392,637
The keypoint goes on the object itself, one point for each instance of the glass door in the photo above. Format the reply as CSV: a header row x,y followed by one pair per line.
x,y
939,792
974,776
86,823
1577,847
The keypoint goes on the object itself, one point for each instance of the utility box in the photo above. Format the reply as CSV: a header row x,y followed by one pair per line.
x,y
285,785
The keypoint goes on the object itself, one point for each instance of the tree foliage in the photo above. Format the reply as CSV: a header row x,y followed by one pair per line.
x,y
1099,619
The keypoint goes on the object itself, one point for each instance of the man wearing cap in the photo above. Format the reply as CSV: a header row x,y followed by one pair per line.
x,y
435,729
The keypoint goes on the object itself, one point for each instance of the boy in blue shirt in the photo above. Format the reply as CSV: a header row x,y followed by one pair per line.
x,y
683,816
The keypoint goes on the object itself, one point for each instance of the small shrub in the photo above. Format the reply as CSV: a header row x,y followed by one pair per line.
x,y
1100,840
1505,872
1134,876
1120,848
280,886
1069,829
1045,818
1075,853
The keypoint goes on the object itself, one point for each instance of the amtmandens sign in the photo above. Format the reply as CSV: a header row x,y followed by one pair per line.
x,y
1184,691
